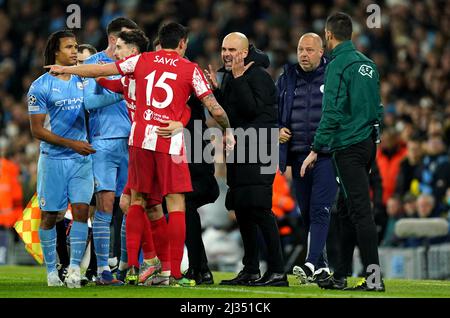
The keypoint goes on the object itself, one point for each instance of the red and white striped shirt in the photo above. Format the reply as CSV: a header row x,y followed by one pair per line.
x,y
163,81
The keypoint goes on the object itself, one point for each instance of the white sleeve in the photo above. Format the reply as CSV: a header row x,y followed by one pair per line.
x,y
128,65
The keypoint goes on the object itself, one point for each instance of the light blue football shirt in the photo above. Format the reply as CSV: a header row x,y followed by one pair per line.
x,y
111,121
62,102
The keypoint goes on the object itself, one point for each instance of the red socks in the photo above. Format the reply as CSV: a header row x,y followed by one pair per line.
x,y
148,247
177,235
162,242
134,229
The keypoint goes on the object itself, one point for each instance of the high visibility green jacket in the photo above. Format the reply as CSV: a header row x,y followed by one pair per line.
x,y
351,102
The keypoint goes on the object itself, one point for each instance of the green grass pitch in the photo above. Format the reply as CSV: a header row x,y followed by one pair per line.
x,y
30,282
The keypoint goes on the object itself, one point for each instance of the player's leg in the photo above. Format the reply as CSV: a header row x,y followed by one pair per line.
x,y
80,189
125,200
117,238
141,180
91,271
155,234
106,162
134,228
177,234
52,196
173,180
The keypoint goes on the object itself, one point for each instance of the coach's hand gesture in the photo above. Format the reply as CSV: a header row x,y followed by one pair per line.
x,y
237,65
211,76
82,147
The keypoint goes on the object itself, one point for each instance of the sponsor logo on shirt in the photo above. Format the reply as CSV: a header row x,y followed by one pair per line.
x,y
69,101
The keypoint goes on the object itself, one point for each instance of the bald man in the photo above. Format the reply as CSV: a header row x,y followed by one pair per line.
x,y
300,90
248,93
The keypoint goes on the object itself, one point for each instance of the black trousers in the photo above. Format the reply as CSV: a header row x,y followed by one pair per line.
x,y
356,222
249,220
194,243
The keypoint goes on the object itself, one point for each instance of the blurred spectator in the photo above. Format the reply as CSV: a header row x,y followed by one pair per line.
x,y
10,192
425,206
389,156
410,206
409,167
435,170
395,212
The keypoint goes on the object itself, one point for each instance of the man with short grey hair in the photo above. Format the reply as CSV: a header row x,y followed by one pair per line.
x,y
300,91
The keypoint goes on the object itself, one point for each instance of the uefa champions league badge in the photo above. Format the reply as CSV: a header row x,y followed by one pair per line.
x,y
42,202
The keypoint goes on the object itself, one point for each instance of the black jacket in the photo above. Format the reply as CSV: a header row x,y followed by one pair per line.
x,y
204,184
250,102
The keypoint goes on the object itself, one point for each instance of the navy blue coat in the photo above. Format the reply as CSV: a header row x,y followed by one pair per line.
x,y
308,97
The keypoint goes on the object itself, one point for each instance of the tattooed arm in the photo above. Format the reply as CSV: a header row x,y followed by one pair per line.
x,y
217,112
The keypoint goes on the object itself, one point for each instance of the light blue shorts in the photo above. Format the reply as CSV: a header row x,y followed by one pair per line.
x,y
61,181
110,164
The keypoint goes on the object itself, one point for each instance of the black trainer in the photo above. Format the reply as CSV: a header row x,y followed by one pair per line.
x,y
363,286
62,272
321,274
331,282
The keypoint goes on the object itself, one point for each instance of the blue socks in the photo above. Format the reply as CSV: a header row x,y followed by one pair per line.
x,y
78,237
101,230
48,244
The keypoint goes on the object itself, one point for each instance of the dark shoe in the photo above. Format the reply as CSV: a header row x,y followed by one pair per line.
x,y
207,278
243,278
303,273
330,282
204,277
62,271
320,274
363,286
193,274
271,279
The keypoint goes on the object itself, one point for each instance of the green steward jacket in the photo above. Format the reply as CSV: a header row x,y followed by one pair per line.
x,y
351,101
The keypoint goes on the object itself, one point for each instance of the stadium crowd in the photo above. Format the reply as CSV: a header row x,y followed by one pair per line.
x,y
411,50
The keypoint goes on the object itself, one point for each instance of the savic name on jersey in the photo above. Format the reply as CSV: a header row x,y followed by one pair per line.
x,y
164,82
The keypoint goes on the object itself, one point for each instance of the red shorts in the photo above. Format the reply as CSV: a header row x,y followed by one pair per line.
x,y
157,174
150,202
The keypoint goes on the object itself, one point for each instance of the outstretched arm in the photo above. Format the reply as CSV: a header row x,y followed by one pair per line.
x,y
85,70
